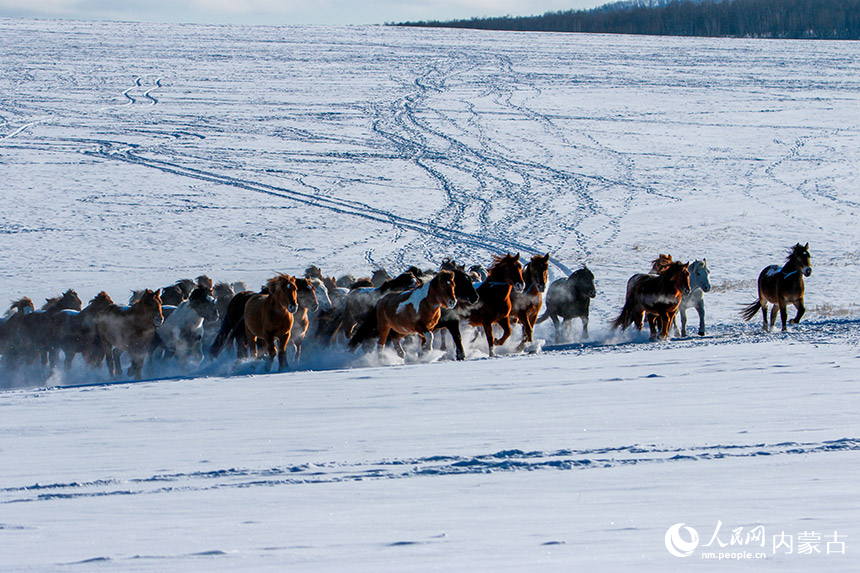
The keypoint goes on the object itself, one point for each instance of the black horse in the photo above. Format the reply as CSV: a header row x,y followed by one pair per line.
x,y
570,298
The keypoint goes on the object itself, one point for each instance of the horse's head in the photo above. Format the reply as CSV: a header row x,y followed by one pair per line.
x,y
679,274
403,281
323,299
307,294
507,269
464,288
101,301
185,287
378,277
150,305
583,281
700,275
23,305
478,273
313,272
284,290
536,272
204,281
442,289
203,304
800,257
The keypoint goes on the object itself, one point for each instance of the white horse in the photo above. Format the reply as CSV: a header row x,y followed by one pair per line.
x,y
700,283
181,334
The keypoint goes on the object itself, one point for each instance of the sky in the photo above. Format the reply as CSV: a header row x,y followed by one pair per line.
x,y
282,12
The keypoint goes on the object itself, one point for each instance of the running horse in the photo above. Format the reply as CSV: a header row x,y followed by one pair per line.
x,y
494,304
527,304
782,286
269,318
415,311
658,296
129,329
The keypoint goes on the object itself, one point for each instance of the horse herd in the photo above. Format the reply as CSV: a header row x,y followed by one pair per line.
x,y
192,320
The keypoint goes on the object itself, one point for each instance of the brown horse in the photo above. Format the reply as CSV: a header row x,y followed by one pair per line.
x,y
782,286
10,342
129,329
306,297
527,304
661,263
415,311
658,296
76,333
494,304
269,318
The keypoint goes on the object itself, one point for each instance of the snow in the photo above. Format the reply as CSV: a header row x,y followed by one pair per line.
x,y
133,155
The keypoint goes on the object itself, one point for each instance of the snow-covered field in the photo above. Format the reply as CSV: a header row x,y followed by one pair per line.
x,y
132,155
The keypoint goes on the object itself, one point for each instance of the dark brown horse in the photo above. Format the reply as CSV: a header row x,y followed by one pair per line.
x,y
269,318
232,327
658,296
782,286
76,333
526,304
415,311
129,329
494,306
34,332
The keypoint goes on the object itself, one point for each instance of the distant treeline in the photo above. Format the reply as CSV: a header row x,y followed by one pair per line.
x,y
820,19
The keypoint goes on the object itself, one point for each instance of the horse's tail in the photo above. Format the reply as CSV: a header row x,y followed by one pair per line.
x,y
625,318
750,310
367,328
233,323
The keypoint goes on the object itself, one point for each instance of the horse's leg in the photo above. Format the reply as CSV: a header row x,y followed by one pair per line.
x,y
70,357
764,316
454,328
271,350
584,319
666,319
783,314
652,325
427,339
683,313
700,308
556,325
488,333
505,323
283,342
800,311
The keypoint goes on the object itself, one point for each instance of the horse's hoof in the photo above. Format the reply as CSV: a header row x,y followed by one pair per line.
x,y
461,356
701,333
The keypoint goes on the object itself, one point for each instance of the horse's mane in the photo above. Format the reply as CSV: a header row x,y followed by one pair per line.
x,y
20,306
200,294
361,283
499,260
224,289
277,280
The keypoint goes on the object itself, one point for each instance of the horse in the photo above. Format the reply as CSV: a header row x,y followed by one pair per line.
x,y
76,332
570,298
361,301
658,296
269,318
379,276
494,306
782,286
700,283
467,296
306,296
526,304
464,291
35,331
129,329
181,334
415,311
9,343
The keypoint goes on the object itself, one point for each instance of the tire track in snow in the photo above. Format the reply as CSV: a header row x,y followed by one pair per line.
x,y
128,154
512,460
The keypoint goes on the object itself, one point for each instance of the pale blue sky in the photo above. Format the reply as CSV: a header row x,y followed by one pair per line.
x,y
282,11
